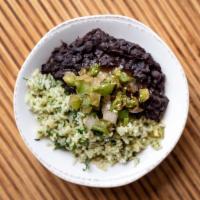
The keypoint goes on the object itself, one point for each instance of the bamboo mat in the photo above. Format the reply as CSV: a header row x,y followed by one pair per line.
x,y
23,23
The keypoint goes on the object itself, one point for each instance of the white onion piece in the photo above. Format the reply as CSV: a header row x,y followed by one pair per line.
x,y
107,114
89,121
110,116
106,106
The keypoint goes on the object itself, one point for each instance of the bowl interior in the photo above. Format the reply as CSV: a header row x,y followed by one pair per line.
x,y
62,163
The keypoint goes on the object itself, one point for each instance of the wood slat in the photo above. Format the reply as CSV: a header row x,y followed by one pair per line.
x,y
23,23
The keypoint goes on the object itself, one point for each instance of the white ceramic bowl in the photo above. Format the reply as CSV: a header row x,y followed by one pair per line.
x,y
62,163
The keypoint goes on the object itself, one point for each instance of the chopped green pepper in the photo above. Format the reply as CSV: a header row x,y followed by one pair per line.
x,y
86,110
143,95
82,87
75,102
131,102
95,99
70,78
100,128
117,104
123,116
86,104
86,101
105,88
124,77
94,70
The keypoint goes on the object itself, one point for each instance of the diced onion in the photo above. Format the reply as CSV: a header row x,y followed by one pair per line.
x,y
109,115
89,121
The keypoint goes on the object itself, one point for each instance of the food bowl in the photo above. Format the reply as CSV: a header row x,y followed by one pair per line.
x,y
62,163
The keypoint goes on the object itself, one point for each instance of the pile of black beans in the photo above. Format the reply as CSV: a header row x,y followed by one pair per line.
x,y
99,47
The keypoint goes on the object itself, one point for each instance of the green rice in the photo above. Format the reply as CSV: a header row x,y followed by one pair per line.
x,y
48,100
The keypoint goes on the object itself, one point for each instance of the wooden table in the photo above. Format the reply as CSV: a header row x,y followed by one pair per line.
x,y
23,23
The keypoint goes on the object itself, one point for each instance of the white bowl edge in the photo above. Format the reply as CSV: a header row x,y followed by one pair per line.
x,y
123,180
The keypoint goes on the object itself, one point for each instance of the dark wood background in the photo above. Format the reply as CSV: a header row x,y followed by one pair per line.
x,y
23,23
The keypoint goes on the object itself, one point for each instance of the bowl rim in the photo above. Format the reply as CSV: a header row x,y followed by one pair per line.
x,y
124,179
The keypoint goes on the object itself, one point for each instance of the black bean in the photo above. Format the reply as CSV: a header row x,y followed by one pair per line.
x,y
156,74
78,42
98,47
103,46
58,58
59,74
88,46
98,53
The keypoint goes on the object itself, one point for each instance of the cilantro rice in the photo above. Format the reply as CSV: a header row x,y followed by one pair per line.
x,y
48,100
